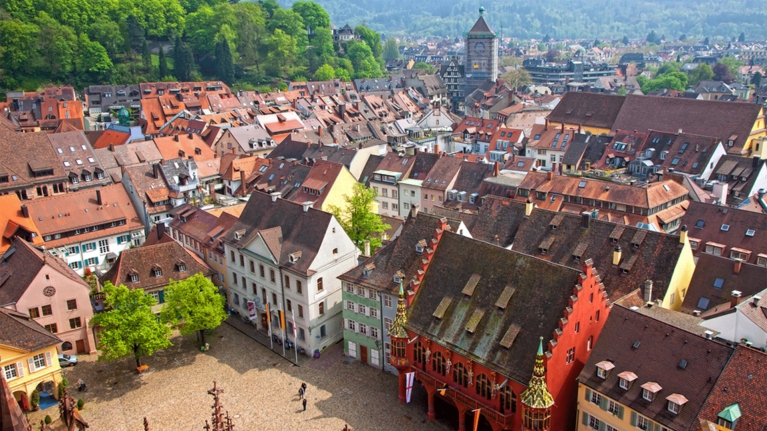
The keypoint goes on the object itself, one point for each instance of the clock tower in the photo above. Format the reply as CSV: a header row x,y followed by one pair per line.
x,y
481,54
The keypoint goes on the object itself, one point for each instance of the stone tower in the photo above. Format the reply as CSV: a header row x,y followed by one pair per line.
x,y
536,399
481,54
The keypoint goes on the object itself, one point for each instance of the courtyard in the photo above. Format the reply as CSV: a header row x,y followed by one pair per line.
x,y
260,390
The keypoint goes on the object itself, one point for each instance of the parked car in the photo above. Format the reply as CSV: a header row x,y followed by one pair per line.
x,y
67,360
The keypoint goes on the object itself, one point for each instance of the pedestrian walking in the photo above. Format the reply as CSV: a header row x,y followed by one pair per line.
x,y
301,393
304,404
303,386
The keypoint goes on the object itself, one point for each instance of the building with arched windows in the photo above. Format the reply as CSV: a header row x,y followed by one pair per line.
x,y
481,54
473,326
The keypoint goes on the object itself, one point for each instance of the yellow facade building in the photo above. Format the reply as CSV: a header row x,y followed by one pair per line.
x,y
28,357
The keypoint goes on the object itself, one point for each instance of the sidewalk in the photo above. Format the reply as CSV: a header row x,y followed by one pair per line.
x,y
250,330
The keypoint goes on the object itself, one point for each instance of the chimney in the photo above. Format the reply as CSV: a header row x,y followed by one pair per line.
x,y
709,334
528,207
696,313
160,230
307,205
617,255
212,191
367,247
413,211
549,175
175,138
319,131
243,185
546,126
98,197
275,196
585,219
647,291
112,147
735,298
755,300
436,149
25,211
190,135
683,235
495,169
720,191
737,266
156,169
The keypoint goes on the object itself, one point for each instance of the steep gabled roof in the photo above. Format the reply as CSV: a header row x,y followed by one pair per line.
x,y
654,351
481,28
588,109
301,231
542,293
23,333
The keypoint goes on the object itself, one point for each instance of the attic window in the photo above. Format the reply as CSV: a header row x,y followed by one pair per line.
x,y
700,223
582,184
368,269
703,303
471,285
675,403
603,369
398,276
719,283
134,278
725,227
293,257
474,320
750,232
683,364
649,390
420,246
625,379
158,273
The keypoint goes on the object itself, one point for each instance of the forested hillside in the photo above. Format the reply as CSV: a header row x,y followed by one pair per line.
x,y
558,18
81,42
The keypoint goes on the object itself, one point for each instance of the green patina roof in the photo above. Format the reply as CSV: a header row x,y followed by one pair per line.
x,y
537,395
730,413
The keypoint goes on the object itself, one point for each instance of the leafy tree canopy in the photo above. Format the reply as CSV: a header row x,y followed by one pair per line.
x,y
358,218
193,305
129,327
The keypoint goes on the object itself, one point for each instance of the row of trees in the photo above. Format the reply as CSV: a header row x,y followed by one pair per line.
x,y
81,42
669,76
131,329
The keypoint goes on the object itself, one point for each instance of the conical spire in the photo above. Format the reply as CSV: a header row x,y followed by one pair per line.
x,y
398,326
537,395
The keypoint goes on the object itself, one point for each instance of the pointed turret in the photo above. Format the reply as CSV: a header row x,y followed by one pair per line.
x,y
536,399
481,27
398,326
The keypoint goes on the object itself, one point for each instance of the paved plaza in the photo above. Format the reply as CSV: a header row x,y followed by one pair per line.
x,y
260,390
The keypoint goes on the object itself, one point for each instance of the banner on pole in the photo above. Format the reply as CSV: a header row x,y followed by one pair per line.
x,y
476,418
282,319
295,331
251,310
268,316
409,377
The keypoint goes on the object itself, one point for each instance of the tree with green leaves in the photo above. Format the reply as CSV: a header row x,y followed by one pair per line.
x,y
146,57
183,61
428,68
722,73
282,53
625,40
371,39
312,14
518,77
324,73
757,79
706,41
733,64
291,23
702,72
193,305
359,219
547,38
135,35
683,37
742,37
224,62
365,64
391,49
92,62
162,64
652,37
128,326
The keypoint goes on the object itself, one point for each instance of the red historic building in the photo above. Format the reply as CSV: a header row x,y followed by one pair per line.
x,y
474,324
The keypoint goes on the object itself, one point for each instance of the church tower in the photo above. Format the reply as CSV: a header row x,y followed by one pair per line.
x,y
536,399
481,54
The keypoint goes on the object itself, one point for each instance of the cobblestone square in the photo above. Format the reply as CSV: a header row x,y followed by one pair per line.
x,y
260,390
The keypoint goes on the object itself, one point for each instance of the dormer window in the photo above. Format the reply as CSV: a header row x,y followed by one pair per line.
x,y
626,379
420,246
158,273
649,390
293,257
134,278
181,266
675,403
603,369
398,276
728,417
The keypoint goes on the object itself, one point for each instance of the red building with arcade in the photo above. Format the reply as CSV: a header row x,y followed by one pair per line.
x,y
475,322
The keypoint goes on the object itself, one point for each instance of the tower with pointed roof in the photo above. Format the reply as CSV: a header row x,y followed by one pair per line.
x,y
399,337
481,54
536,399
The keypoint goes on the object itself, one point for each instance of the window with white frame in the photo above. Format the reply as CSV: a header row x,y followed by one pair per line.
x,y
387,323
361,309
594,422
373,312
374,332
613,407
596,398
623,383
350,305
673,407
38,362
11,372
371,294
363,329
360,291
643,423
103,246
350,325
349,287
387,301
647,395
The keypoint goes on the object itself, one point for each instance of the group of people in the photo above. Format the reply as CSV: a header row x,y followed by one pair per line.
x,y
301,394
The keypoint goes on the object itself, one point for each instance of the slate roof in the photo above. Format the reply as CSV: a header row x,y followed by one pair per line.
x,y
193,222
700,117
712,271
149,188
370,166
330,153
290,148
18,270
735,168
542,293
399,255
589,109
73,149
422,165
470,179
134,153
657,359
284,177
321,178
166,256
481,28
21,332
705,223
301,231
742,382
